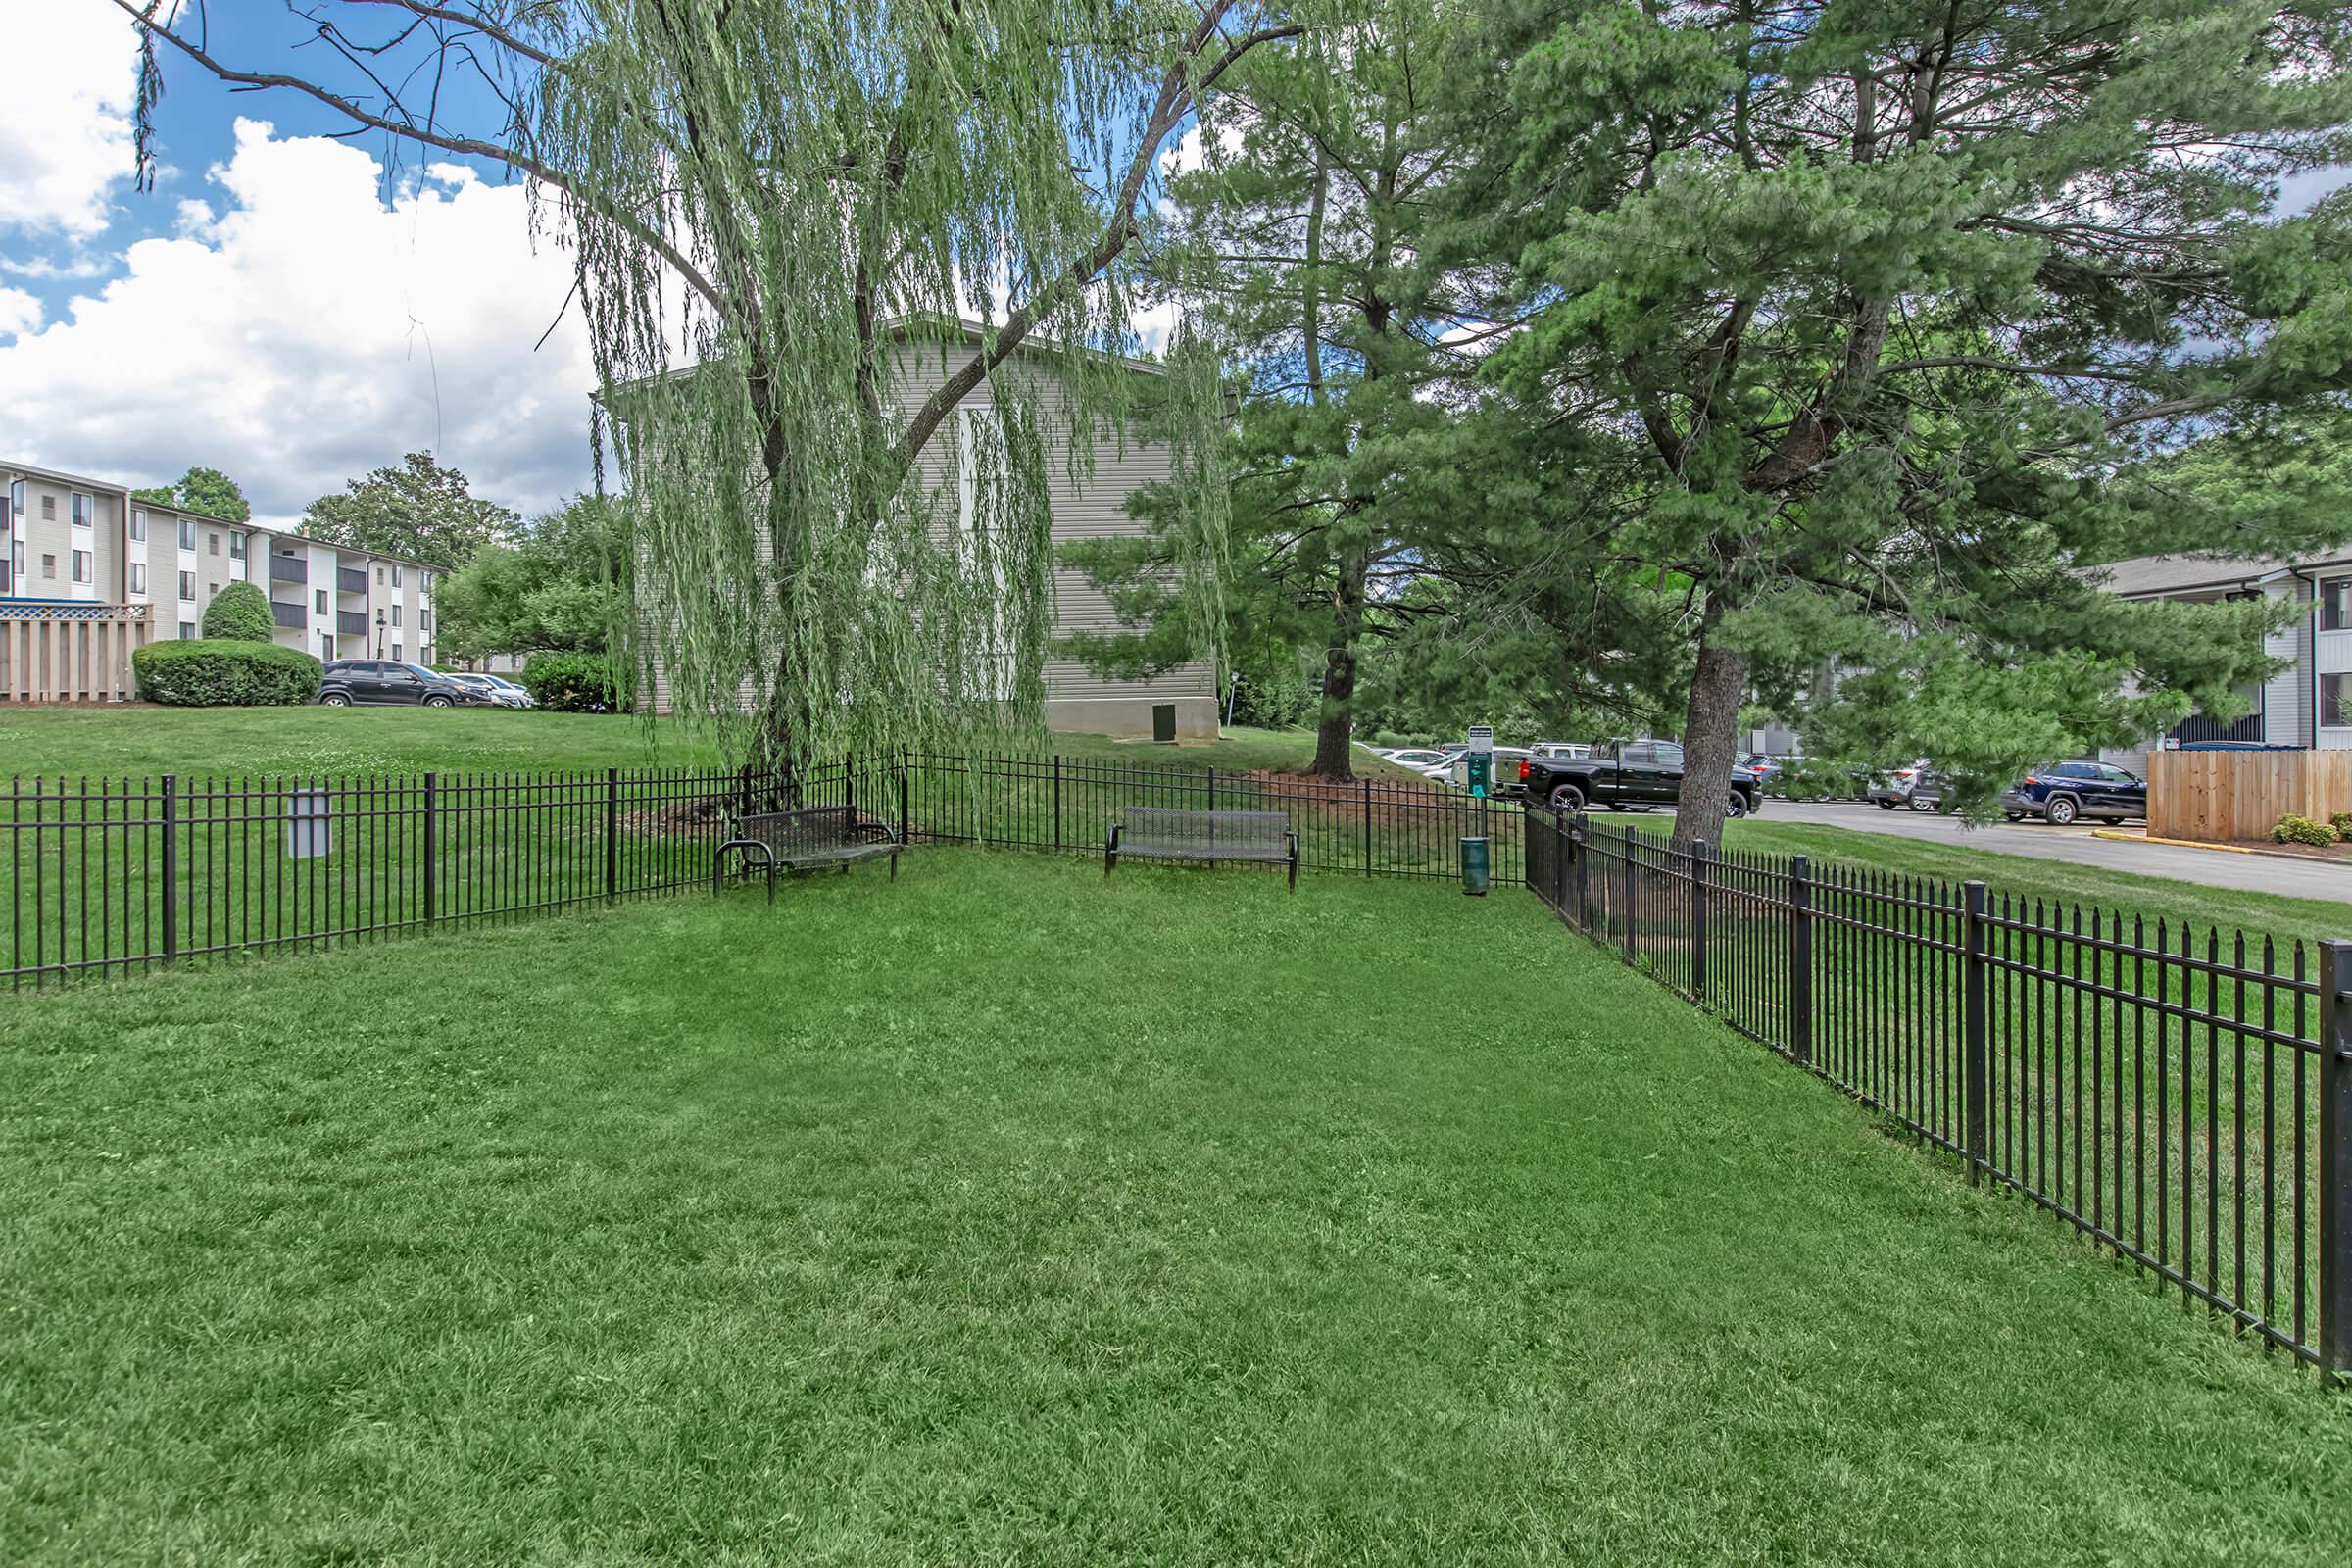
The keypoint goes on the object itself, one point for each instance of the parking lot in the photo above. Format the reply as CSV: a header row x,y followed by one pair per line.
x,y
2078,845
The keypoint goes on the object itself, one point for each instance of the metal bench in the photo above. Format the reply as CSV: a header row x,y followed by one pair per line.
x,y
813,835
1168,833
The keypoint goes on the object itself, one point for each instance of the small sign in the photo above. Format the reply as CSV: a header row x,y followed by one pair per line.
x,y
1481,740
307,825
1479,765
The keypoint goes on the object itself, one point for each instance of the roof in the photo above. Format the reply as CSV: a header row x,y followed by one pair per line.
x,y
2162,576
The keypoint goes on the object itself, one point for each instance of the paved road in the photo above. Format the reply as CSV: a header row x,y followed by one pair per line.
x,y
2252,873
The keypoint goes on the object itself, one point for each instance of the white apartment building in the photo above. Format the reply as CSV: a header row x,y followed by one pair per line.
x,y
88,573
2308,704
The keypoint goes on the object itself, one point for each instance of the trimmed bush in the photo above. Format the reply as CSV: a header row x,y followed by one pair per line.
x,y
2292,829
224,672
573,683
240,612
2341,821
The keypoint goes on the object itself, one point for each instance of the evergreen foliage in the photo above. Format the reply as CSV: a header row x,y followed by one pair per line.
x,y
418,512
204,672
240,612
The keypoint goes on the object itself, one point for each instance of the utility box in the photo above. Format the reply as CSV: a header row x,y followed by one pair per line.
x,y
1163,721
309,834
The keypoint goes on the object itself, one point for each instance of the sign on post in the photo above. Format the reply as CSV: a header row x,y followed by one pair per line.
x,y
1480,762
307,825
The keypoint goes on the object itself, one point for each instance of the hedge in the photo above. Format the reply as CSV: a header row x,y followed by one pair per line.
x,y
573,683
224,672
240,612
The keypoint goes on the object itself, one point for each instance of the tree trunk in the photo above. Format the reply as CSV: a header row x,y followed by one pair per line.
x,y
1710,738
1333,759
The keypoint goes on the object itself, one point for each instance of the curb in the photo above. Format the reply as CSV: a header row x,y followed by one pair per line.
x,y
2200,843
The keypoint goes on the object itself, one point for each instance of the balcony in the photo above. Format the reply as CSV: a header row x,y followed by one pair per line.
x,y
2201,729
350,579
351,622
289,618
289,568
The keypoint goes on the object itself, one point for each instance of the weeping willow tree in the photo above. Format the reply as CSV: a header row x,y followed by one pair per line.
x,y
781,213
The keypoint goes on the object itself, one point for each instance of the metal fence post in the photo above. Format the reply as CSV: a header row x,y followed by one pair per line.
x,y
1972,1002
1212,789
906,821
1628,912
1698,919
611,834
171,817
1801,959
1367,827
2335,1157
431,840
1579,834
1058,800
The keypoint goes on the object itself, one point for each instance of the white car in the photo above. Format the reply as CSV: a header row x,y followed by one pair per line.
x,y
501,691
1419,758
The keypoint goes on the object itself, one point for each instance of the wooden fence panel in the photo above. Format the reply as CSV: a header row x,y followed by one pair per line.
x,y
70,653
2236,795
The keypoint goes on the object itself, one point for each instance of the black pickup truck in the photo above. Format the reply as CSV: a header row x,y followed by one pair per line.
x,y
1625,775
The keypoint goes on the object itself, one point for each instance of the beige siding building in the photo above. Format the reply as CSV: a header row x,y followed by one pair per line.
x,y
88,573
1077,700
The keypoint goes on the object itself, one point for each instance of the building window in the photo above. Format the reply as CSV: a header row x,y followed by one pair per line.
x,y
212,542
2335,603
395,614
16,500
396,651
380,576
187,535
236,547
187,586
48,565
319,601
395,577
81,510
139,523
81,566
49,507
424,582
187,631
210,589
424,618
138,576
2336,699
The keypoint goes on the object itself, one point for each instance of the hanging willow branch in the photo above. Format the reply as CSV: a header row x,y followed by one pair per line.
x,y
781,212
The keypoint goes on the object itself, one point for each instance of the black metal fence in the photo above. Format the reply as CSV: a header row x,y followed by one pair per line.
x,y
119,876
2183,1097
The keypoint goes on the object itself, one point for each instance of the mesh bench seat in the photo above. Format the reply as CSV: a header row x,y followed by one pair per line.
x,y
1170,833
813,835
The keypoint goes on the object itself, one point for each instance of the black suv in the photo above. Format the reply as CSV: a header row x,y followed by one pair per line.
x,y
349,682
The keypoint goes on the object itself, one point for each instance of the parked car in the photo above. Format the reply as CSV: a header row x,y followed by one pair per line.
x,y
1417,757
1772,773
374,682
1919,786
2062,793
504,693
1560,749
1626,775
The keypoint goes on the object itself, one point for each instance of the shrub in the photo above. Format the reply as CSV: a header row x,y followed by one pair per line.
x,y
2341,821
573,683
2292,829
240,612
224,672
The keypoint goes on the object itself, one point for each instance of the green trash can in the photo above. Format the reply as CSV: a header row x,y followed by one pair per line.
x,y
1475,876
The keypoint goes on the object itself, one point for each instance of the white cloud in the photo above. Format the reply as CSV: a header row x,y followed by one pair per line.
x,y
297,331
64,141
20,312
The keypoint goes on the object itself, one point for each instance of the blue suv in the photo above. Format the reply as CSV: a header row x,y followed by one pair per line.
x,y
2067,791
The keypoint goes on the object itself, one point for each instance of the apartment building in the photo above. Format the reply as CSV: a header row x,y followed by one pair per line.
x,y
1177,703
88,572
2308,704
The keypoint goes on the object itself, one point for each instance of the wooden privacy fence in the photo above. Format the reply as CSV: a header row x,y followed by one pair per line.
x,y
2229,795
69,653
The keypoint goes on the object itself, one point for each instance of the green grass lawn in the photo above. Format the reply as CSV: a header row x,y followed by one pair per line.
x,y
1004,1213
233,741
